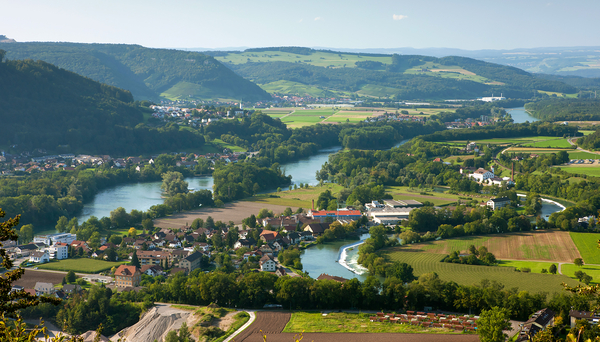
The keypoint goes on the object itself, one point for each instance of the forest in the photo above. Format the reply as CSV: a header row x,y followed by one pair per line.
x,y
558,109
52,108
145,72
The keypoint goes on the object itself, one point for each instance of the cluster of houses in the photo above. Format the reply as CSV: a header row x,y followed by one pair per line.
x,y
395,117
186,117
12,163
48,289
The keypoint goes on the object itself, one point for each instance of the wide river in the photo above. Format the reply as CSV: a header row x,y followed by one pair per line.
x,y
316,260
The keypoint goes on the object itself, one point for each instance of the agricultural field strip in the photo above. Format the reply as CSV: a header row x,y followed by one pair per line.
x,y
554,246
587,244
469,274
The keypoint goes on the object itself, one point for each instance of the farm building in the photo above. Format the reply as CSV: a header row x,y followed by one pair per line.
x,y
481,175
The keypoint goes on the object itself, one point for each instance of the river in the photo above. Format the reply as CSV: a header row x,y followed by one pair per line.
x,y
520,115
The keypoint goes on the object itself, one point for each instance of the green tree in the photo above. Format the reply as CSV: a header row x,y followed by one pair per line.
x,y
288,212
71,277
173,183
553,269
62,224
578,262
119,218
134,259
491,324
26,233
148,224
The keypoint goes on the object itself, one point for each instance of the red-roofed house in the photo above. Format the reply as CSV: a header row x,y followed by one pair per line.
x,y
341,214
127,276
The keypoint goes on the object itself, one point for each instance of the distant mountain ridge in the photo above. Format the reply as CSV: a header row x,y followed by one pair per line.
x,y
147,73
402,77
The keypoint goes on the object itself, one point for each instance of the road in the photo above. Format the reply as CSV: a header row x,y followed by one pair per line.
x,y
570,140
243,327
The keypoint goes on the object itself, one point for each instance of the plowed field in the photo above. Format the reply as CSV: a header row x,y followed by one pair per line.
x,y
272,324
550,245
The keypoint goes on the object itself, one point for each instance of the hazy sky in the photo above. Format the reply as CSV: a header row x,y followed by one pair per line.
x,y
465,24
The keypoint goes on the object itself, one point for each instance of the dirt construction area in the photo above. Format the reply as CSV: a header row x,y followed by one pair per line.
x,y
235,212
272,323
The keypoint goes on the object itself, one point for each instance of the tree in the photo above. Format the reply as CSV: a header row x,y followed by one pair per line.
x,y
12,301
132,232
173,183
147,224
553,269
134,259
119,217
26,233
71,277
491,324
62,224
287,212
578,262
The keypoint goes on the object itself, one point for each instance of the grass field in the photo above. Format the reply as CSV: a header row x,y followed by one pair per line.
x,y
232,147
583,155
551,143
322,59
405,193
535,266
550,245
83,265
295,88
550,93
591,170
587,244
592,270
469,275
295,198
348,323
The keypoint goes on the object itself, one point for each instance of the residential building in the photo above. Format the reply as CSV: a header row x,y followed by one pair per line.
x,y
52,239
59,251
191,262
538,322
71,288
340,214
317,229
267,264
127,276
592,317
154,257
500,202
152,270
39,257
42,288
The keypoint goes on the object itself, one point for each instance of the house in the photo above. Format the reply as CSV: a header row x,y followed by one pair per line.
x,y
267,264
127,276
39,256
500,202
152,270
538,322
592,317
191,262
154,257
325,276
42,288
71,288
80,244
25,250
248,243
294,238
251,254
269,236
481,175
202,246
316,229
280,271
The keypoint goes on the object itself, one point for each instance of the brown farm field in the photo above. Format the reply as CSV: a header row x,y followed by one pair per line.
x,y
31,277
548,245
272,323
236,212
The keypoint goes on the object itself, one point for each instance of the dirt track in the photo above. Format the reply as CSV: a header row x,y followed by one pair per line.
x,y
272,324
31,277
235,212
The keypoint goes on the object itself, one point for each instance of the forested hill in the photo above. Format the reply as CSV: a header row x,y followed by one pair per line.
x,y
147,73
393,76
43,106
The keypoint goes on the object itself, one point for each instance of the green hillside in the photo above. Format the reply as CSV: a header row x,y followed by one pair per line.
x,y
147,73
44,106
391,76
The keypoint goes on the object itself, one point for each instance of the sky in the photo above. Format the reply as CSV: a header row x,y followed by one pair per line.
x,y
463,24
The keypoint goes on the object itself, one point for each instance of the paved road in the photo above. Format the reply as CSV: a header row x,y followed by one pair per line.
x,y
570,140
237,332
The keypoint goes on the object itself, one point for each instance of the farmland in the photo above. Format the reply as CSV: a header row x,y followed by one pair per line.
x,y
437,198
349,323
295,118
83,265
534,266
550,245
270,326
295,198
589,170
469,275
587,244
592,270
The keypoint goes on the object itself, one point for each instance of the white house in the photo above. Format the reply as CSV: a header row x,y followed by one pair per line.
x,y
267,264
481,175
52,239
39,256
